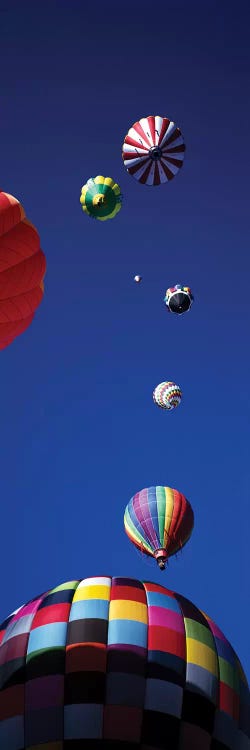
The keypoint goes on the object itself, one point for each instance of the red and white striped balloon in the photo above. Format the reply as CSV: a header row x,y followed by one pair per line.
x,y
153,150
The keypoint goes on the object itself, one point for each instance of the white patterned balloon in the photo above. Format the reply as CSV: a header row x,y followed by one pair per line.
x,y
167,395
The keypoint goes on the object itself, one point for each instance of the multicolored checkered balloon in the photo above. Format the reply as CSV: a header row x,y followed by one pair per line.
x,y
167,395
114,662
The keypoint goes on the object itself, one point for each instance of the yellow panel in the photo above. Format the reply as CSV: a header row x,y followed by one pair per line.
x,y
100,179
200,654
109,181
137,539
168,513
91,592
121,609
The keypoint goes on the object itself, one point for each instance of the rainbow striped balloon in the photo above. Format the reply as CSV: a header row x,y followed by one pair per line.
x,y
159,521
167,395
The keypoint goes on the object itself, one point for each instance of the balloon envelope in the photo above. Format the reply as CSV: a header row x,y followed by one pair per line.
x,y
101,198
153,150
167,395
22,270
179,299
159,521
114,662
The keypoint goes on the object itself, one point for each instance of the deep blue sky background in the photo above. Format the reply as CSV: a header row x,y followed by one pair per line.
x,y
79,431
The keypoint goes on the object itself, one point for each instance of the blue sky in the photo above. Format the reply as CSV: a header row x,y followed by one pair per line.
x,y
79,431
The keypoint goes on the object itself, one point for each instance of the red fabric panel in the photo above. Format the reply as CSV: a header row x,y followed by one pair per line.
x,y
11,212
12,701
23,277
11,330
229,701
194,737
122,723
20,307
166,640
156,587
128,593
20,242
151,125
182,522
164,128
6,342
52,613
86,658
15,648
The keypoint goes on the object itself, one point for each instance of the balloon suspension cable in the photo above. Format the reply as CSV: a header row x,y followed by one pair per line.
x,y
146,557
180,550
142,550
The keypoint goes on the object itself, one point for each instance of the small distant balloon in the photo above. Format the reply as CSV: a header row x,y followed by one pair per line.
x,y
178,299
137,279
167,395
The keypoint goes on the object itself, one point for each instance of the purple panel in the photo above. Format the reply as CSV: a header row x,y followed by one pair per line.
x,y
43,692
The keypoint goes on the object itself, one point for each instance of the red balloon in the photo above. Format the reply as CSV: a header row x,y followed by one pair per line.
x,y
22,270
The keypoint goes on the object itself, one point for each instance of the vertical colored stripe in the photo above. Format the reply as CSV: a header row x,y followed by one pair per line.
x,y
161,506
169,494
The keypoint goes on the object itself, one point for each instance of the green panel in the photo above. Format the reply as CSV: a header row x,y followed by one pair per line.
x,y
200,633
64,586
41,651
228,674
161,508
103,210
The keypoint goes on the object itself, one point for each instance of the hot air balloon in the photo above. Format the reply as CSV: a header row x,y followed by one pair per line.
x,y
22,270
153,150
114,662
159,521
137,279
167,395
178,299
101,198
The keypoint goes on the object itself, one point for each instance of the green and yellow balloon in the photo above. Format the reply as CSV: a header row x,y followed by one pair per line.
x,y
101,198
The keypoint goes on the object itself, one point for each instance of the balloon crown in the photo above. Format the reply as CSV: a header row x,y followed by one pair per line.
x,y
178,288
